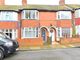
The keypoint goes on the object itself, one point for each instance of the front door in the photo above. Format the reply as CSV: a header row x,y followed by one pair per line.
x,y
43,34
52,36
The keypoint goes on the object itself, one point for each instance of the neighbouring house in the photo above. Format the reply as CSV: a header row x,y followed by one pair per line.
x,y
35,25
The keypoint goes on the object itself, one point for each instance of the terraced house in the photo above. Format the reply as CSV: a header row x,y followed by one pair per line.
x,y
35,25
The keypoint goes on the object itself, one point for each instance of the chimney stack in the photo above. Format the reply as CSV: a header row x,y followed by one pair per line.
x,y
2,2
24,2
62,2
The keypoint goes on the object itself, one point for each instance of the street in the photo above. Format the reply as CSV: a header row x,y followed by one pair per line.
x,y
51,54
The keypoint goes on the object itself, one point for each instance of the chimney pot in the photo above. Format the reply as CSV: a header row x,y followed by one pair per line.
x,y
62,2
2,2
24,2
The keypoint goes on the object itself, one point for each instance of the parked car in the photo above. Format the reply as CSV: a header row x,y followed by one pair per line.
x,y
7,45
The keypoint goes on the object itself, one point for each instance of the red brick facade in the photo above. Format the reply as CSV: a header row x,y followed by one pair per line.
x,y
47,21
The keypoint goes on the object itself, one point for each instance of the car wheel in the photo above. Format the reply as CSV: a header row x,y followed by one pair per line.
x,y
1,54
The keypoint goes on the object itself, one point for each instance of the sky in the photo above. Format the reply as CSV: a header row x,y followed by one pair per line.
x,y
52,2
41,2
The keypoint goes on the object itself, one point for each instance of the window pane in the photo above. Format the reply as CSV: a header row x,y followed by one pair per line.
x,y
77,13
66,32
58,32
30,14
8,16
64,15
10,32
30,32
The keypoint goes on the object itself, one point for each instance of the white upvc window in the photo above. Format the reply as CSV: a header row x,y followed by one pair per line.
x,y
59,32
29,32
12,33
30,14
77,13
8,16
64,15
66,32
78,30
13,2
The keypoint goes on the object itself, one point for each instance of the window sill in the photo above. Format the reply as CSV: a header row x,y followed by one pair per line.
x,y
30,19
29,37
64,19
7,21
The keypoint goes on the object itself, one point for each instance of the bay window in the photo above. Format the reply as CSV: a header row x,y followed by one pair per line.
x,y
30,14
58,32
78,30
64,15
66,32
12,33
8,16
30,32
77,13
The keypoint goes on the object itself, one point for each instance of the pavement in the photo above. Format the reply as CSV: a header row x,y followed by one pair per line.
x,y
54,46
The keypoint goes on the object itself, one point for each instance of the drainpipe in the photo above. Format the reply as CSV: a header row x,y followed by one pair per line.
x,y
19,25
73,24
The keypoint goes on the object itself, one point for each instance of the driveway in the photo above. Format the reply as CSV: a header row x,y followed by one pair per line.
x,y
52,54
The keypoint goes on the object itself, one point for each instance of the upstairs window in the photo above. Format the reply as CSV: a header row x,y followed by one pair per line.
x,y
77,13
64,15
30,14
8,16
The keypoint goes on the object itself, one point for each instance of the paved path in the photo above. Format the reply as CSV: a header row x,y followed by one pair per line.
x,y
52,54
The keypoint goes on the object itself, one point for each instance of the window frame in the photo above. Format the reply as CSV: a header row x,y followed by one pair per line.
x,y
13,32
12,16
59,15
23,32
69,30
77,13
78,29
29,11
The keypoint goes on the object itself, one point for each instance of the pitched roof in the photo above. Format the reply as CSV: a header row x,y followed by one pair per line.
x,y
10,7
47,7
38,7
73,6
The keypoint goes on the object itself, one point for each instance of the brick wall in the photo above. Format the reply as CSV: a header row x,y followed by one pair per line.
x,y
69,40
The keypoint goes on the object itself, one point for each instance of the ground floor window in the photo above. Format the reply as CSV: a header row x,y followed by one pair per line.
x,y
58,32
12,33
78,30
29,32
66,32
63,32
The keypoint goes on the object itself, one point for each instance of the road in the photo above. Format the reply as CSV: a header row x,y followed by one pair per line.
x,y
52,54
